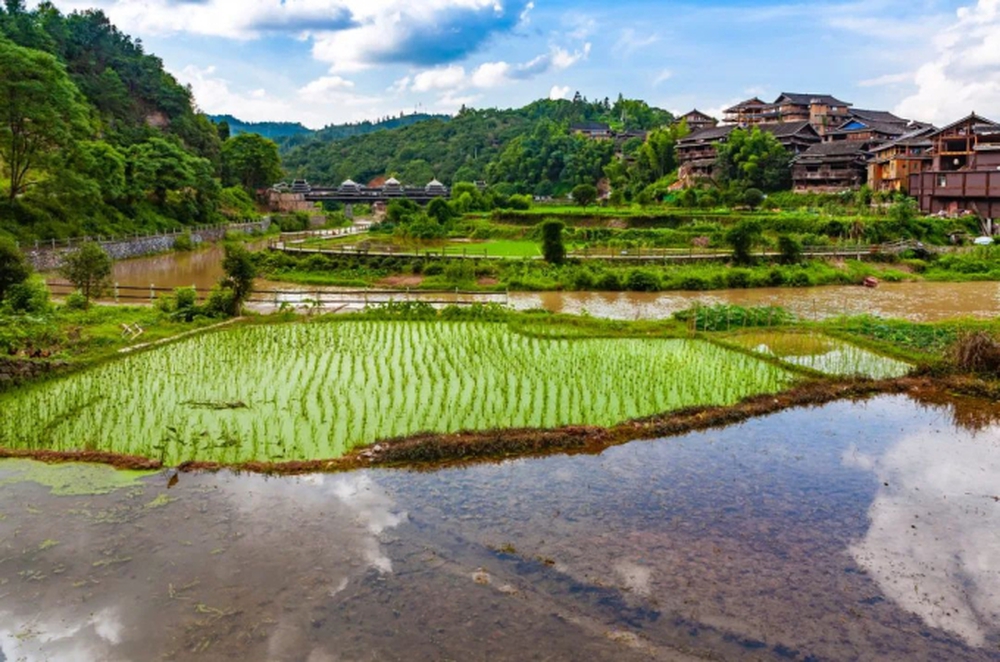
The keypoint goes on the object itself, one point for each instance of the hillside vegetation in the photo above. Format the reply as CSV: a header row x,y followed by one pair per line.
x,y
524,150
96,137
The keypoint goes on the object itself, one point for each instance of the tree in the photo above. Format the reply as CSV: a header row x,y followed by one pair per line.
x,y
790,249
14,268
251,161
88,268
742,238
224,131
754,159
584,194
240,273
553,248
753,198
41,111
440,210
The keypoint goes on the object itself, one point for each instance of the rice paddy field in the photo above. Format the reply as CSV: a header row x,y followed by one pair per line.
x,y
822,353
314,391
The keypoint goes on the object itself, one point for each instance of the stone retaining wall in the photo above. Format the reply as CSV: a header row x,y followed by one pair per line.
x,y
48,259
17,371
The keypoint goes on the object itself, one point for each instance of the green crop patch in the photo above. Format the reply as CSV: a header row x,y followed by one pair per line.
x,y
315,391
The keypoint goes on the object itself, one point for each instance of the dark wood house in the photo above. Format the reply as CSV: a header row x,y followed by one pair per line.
x,y
746,113
697,120
892,163
594,130
965,171
696,153
830,167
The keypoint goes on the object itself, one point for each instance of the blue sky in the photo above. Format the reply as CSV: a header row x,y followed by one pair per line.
x,y
331,61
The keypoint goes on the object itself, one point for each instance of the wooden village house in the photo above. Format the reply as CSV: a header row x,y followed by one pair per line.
x,y
964,174
696,153
830,167
892,163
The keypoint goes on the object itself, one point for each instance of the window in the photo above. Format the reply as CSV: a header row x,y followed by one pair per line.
x,y
942,180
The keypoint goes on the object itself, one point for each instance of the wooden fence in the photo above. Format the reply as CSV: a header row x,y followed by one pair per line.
x,y
305,297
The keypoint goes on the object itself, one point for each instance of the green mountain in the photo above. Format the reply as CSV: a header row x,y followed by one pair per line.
x,y
271,130
96,138
528,150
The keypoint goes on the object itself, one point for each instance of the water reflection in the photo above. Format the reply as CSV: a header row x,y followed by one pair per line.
x,y
933,544
786,538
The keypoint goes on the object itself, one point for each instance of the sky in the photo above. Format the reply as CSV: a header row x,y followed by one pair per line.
x,y
321,62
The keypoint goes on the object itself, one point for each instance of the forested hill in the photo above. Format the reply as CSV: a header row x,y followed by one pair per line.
x,y
95,136
530,149
273,130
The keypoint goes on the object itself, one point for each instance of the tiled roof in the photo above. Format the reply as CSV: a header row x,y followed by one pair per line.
x,y
590,126
842,149
806,99
709,134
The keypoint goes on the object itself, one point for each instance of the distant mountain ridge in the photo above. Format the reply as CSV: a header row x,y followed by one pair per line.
x,y
272,130
292,134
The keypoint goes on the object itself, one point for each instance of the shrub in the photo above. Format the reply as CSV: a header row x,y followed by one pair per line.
x,y
434,269
609,282
460,272
977,352
738,278
76,301
31,296
742,238
221,302
552,242
184,242
790,249
14,268
694,282
753,198
641,280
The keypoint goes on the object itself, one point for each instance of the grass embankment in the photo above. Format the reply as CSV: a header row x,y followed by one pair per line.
x,y
539,276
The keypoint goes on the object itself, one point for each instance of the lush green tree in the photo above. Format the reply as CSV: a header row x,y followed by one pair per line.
x,y
14,268
41,112
790,249
753,198
224,131
240,273
88,268
158,166
250,161
657,157
553,248
584,194
754,159
440,210
742,237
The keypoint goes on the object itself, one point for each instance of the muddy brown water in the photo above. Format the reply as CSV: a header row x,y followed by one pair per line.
x,y
915,301
854,531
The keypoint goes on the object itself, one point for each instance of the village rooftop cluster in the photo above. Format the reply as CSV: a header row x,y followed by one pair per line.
x,y
837,147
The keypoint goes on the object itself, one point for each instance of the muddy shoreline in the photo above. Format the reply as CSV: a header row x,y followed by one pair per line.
x,y
429,451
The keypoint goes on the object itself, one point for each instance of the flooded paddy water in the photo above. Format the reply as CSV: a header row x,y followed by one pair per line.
x,y
867,531
821,353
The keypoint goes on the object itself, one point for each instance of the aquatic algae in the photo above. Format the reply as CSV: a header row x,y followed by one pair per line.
x,y
78,479
315,391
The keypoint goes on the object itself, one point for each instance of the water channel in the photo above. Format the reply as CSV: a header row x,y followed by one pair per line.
x,y
919,301
855,531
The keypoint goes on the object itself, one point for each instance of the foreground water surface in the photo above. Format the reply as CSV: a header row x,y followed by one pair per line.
x,y
853,531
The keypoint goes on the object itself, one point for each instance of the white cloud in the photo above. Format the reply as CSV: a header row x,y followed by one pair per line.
x,y
887,79
932,543
963,75
630,41
446,78
323,101
559,92
663,77
349,35
490,74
